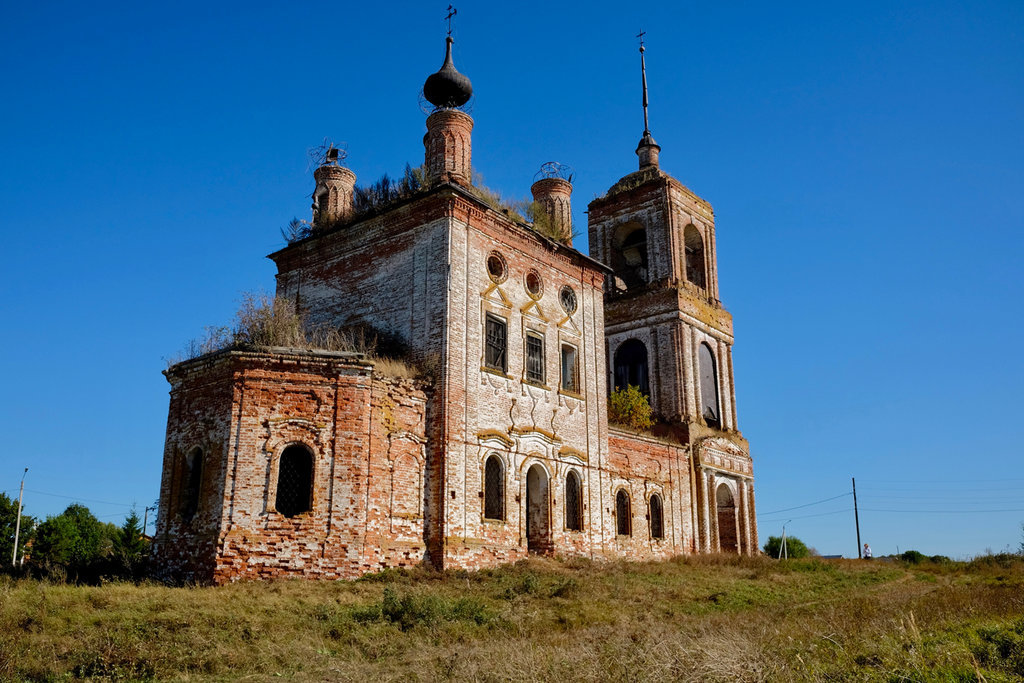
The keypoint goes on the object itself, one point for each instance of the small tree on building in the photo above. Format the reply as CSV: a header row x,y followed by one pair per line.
x,y
630,408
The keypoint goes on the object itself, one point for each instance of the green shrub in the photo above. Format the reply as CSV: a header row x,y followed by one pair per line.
x,y
795,548
1001,647
913,557
409,611
630,408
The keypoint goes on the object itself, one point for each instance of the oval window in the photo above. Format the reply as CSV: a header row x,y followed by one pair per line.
x,y
567,297
496,268
534,285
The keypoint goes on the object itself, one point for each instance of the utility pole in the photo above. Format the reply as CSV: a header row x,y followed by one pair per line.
x,y
856,518
17,520
145,519
783,550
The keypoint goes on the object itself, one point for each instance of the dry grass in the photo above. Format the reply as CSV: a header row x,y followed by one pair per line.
x,y
705,618
265,321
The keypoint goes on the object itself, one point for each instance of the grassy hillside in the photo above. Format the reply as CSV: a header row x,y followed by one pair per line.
x,y
703,618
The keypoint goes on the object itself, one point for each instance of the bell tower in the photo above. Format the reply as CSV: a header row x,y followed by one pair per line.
x,y
668,334
666,328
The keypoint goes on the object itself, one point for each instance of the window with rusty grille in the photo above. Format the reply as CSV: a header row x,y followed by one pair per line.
x,y
535,358
573,502
622,516
193,480
570,369
295,481
494,488
495,333
657,517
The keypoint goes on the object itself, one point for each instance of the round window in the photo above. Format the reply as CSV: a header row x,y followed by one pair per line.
x,y
567,298
496,268
534,285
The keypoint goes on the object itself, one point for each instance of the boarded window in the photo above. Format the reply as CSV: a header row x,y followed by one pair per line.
x,y
573,502
295,481
708,386
495,356
494,488
694,246
192,480
657,518
622,514
570,369
534,358
631,366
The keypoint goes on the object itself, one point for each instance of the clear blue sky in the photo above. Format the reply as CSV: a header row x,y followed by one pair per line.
x,y
865,162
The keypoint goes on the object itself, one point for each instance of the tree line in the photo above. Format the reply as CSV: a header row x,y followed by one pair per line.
x,y
73,545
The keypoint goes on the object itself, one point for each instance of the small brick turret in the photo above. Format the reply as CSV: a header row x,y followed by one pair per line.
x,y
448,146
554,195
648,150
332,198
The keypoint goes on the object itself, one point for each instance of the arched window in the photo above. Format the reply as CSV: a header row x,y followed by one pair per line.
x,y
708,387
622,514
629,257
631,366
573,502
657,517
494,488
192,481
694,247
295,481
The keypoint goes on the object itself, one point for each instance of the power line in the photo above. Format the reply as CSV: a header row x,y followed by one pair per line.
x,y
953,512
805,505
949,489
820,514
79,499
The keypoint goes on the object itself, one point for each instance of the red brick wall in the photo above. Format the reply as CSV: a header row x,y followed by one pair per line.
x,y
366,433
644,466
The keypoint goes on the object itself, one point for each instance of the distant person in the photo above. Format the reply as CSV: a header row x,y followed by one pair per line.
x,y
867,552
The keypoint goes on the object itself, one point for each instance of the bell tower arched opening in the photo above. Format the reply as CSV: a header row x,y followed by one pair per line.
x,y
709,409
629,257
631,366
693,246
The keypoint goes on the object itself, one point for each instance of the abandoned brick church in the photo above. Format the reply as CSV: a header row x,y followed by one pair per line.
x,y
297,462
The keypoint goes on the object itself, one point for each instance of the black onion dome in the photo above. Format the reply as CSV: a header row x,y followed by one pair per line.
x,y
447,87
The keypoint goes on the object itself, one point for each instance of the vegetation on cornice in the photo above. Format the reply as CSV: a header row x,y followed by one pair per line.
x,y
367,200
264,322
632,181
385,192
630,408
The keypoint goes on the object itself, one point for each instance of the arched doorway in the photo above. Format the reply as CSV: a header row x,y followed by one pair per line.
x,y
538,526
727,538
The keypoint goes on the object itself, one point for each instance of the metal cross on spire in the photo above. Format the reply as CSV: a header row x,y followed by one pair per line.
x,y
451,13
643,74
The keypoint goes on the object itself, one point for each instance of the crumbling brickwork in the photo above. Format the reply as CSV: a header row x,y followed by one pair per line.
x,y
366,435
282,462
